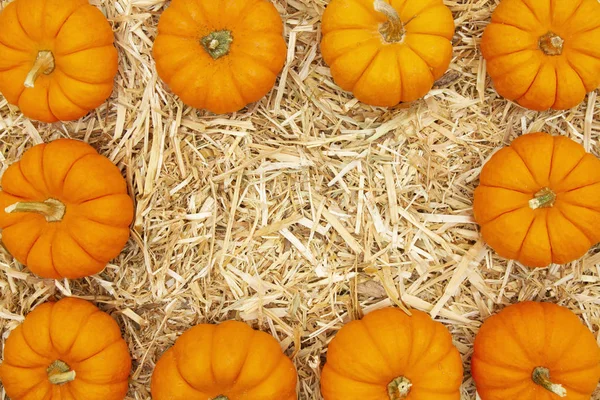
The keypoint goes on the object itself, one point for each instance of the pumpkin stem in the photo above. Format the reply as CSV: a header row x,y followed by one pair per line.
x,y
392,30
541,376
60,373
221,397
551,44
399,388
44,64
217,44
545,198
54,210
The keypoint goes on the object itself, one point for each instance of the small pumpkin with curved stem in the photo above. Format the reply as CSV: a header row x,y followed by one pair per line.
x,y
389,355
229,361
220,55
531,351
68,350
538,200
57,58
387,52
64,210
544,54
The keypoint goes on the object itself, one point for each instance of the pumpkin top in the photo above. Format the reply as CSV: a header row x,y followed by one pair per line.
x,y
220,55
64,209
228,361
544,54
70,347
58,64
391,22
538,350
387,52
538,200
390,352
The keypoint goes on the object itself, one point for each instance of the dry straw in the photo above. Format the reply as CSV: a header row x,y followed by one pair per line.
x,y
305,210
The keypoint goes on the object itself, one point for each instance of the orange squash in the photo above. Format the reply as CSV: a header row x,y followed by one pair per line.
x,y
57,59
544,53
229,361
532,351
387,52
389,355
538,200
68,350
220,55
64,210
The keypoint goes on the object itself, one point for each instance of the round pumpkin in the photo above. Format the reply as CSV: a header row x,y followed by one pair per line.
x,y
57,58
544,54
538,200
387,52
532,351
220,55
389,355
68,350
64,210
229,361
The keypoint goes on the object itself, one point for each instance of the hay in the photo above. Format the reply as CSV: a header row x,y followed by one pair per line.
x,y
305,210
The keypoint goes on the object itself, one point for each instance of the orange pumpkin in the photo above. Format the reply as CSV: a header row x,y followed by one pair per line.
x,y
229,361
57,59
64,210
538,200
532,351
387,52
544,54
68,350
220,54
389,355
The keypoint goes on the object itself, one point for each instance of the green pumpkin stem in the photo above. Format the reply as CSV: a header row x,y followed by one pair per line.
x,y
217,44
53,210
399,388
541,376
221,397
545,198
44,64
392,30
60,373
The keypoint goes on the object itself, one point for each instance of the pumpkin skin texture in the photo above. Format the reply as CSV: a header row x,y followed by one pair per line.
x,y
389,355
73,211
538,201
387,52
57,58
220,55
68,350
530,336
229,361
544,53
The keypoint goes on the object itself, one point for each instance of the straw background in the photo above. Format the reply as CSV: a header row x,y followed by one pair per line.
x,y
304,210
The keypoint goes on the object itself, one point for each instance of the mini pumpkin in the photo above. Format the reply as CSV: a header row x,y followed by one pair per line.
x,y
229,361
64,210
538,201
389,355
220,55
531,351
387,52
57,59
544,54
68,350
